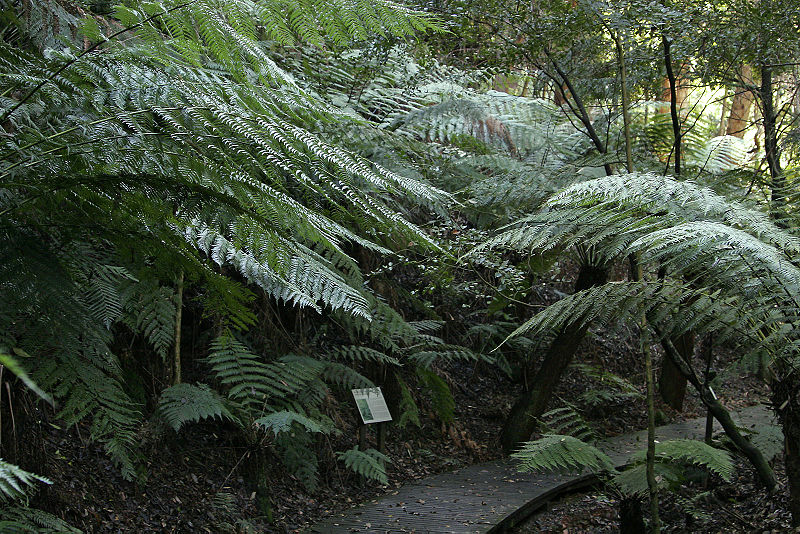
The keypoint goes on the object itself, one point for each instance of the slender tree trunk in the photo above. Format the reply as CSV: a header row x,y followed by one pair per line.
x,y
753,454
578,108
723,116
740,107
636,272
771,148
176,358
522,420
709,376
673,104
626,116
652,484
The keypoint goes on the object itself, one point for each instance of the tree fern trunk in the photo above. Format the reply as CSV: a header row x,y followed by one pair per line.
x,y
523,418
671,382
788,407
631,520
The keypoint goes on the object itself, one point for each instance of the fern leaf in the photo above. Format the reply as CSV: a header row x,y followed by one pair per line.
x,y
369,463
409,411
10,363
189,403
555,452
694,452
16,483
19,519
442,399
282,422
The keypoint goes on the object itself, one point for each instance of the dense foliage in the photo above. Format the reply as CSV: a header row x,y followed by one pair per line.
x,y
323,196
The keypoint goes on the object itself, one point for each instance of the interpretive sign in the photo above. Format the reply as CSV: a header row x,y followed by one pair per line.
x,y
371,405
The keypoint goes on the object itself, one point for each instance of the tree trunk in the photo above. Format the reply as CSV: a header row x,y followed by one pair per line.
x,y
787,402
176,356
631,519
723,116
753,454
772,149
740,108
523,418
644,339
671,382
626,116
674,104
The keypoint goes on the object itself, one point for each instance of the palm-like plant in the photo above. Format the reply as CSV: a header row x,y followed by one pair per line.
x,y
730,270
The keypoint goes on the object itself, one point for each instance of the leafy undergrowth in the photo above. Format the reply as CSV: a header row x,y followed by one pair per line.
x,y
195,482
736,506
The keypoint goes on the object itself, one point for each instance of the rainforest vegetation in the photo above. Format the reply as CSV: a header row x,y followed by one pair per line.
x,y
217,217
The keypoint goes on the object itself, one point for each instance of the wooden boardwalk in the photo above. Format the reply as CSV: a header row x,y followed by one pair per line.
x,y
492,497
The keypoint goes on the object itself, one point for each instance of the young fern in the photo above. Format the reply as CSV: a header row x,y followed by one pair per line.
x,y
369,463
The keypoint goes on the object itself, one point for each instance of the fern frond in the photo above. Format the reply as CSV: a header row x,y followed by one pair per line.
x,y
282,422
19,519
409,411
633,480
369,463
555,452
188,403
567,421
295,451
16,483
695,452
10,363
442,400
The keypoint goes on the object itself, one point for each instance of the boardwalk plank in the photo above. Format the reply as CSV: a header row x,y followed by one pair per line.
x,y
491,497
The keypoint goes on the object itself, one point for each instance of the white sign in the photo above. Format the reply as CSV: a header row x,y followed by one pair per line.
x,y
371,405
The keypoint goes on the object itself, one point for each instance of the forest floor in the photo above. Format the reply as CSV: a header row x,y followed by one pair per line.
x,y
195,482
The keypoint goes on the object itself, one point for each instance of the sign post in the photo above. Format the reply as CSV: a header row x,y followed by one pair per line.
x,y
372,409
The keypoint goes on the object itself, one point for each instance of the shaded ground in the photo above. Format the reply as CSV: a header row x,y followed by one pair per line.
x,y
736,506
195,482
